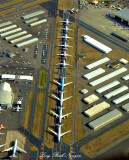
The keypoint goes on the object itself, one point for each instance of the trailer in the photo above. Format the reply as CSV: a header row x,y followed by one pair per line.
x,y
5,24
31,20
121,99
90,99
105,119
33,14
21,38
115,92
96,109
126,77
97,63
28,78
94,73
8,28
10,32
8,76
108,86
26,42
15,35
108,76
125,107
96,44
38,22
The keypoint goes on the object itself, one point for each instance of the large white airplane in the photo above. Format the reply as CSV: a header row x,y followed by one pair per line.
x,y
71,10
17,109
61,99
14,149
64,45
62,84
59,134
2,126
66,29
60,116
64,64
66,22
65,37
64,54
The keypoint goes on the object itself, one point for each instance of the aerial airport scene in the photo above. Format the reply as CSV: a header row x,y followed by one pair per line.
x,y
64,79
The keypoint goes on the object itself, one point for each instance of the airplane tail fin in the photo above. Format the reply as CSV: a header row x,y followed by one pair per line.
x,y
13,155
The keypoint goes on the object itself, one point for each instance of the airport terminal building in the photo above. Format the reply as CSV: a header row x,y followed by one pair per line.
x,y
6,95
122,15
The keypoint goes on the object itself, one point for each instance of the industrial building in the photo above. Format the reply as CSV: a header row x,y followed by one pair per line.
x,y
90,99
15,35
108,86
122,15
21,38
96,109
97,63
6,95
31,20
84,91
33,14
125,77
105,119
101,47
7,28
16,77
115,92
38,22
26,42
125,107
10,32
5,24
121,99
108,76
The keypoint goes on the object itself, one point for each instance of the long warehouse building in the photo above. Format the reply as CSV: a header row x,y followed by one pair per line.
x,y
115,92
5,24
96,44
31,20
38,22
94,73
126,77
108,86
96,109
108,76
121,99
21,38
10,32
26,42
15,35
8,28
105,119
90,99
97,63
33,14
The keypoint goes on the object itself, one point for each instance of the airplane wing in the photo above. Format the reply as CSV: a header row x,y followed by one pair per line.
x,y
52,131
68,64
57,82
20,150
2,145
67,98
66,115
67,83
62,134
72,9
54,114
8,149
1,133
55,97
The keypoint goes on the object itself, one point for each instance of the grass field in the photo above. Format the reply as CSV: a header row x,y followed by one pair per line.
x,y
33,148
8,4
106,139
28,109
37,123
115,54
63,5
7,11
42,79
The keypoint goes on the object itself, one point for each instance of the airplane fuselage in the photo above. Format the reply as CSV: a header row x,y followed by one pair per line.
x,y
15,147
62,84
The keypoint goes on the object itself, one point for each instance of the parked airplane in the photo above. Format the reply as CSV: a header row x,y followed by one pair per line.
x,y
65,37
66,29
17,109
64,45
2,126
61,116
59,134
14,149
61,99
66,22
2,145
64,54
64,64
62,84
71,10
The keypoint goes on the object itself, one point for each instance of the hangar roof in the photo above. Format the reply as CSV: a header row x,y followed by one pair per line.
x,y
124,13
6,97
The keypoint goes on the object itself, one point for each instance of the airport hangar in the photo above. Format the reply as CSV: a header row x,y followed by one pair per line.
x,y
122,15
